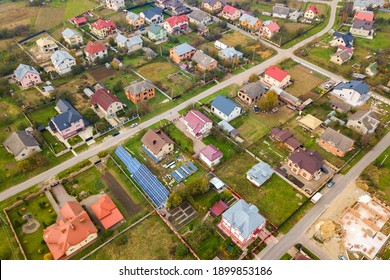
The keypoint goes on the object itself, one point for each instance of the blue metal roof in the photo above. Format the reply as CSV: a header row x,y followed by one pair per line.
x,y
121,39
224,104
359,86
183,48
68,115
69,33
244,217
251,19
23,69
260,172
151,12
347,38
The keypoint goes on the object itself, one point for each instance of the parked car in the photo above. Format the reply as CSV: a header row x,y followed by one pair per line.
x,y
115,133
330,183
323,169
133,125
328,85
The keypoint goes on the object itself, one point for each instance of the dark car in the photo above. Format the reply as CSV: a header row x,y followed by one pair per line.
x,y
330,183
115,133
323,169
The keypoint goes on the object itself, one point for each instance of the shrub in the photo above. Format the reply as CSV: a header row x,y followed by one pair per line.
x,y
181,251
48,256
40,251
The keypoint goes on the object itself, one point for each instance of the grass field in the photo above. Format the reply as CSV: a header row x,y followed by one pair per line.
x,y
13,14
179,138
89,181
276,199
250,129
42,115
149,240
272,153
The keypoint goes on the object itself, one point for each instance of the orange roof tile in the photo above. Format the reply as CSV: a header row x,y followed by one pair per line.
x,y
107,212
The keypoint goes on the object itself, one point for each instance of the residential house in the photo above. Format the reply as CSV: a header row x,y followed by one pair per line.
x,y
306,163
103,28
152,15
149,53
275,76
372,69
225,108
363,29
79,21
197,123
47,45
107,212
364,15
107,102
251,93
309,122
158,144
242,223
210,155
134,20
259,173
72,37
295,15
280,11
176,7
219,207
132,44
182,52
140,91
362,5
354,92
269,28
342,55
335,143
62,62
157,32
249,22
115,4
203,61
200,18
94,50
176,24
225,126
284,136
213,6
27,76
162,3
363,122
230,54
230,13
311,12
21,144
71,232
290,100
342,39
292,144
340,106
69,122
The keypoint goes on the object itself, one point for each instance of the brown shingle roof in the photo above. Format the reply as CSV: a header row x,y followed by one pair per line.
x,y
155,140
309,160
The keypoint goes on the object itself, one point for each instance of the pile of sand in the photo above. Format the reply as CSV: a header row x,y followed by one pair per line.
x,y
326,230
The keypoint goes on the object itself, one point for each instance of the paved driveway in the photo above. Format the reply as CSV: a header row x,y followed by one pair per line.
x,y
61,195
197,143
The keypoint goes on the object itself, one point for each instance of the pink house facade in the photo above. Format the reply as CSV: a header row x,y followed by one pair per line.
x,y
27,76
197,123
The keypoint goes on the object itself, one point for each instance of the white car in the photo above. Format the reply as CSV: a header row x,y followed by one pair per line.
x,y
133,125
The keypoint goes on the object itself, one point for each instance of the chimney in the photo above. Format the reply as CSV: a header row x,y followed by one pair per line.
x,y
154,142
82,220
72,226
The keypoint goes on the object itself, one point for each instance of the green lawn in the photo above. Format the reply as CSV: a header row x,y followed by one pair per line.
x,y
89,181
230,91
225,146
42,211
250,128
43,115
268,151
53,142
179,137
75,7
276,199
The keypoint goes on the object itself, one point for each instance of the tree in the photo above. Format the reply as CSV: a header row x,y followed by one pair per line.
x,y
111,41
222,24
174,199
90,115
118,86
77,69
102,125
193,26
253,78
198,186
269,101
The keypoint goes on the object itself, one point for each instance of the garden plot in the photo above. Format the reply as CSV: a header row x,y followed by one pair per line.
x,y
181,215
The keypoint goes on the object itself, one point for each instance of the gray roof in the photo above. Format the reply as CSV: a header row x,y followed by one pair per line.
x,y
345,107
139,87
121,39
338,140
151,12
23,69
260,172
183,48
135,40
132,16
155,28
69,33
198,15
281,10
202,59
284,95
359,86
68,115
213,2
366,3
362,24
224,104
58,57
19,140
253,89
344,55
231,52
367,117
244,217
251,19
228,127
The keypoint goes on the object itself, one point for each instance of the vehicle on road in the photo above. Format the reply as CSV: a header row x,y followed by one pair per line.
x,y
330,183
115,133
133,125
316,197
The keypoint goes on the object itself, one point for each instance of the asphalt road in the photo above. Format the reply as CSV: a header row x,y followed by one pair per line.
x,y
341,182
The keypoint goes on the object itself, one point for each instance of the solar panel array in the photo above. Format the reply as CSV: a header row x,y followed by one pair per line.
x,y
184,171
145,179
156,160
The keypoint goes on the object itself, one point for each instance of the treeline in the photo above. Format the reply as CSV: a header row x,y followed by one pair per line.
x,y
21,30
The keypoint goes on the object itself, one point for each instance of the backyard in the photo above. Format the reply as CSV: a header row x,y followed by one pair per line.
x,y
276,199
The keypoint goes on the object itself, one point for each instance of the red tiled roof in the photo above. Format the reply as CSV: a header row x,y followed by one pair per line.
x,y
73,227
273,27
211,152
364,15
293,143
341,47
276,73
107,212
100,24
218,208
309,160
79,20
104,98
174,20
196,120
229,9
94,47
313,8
